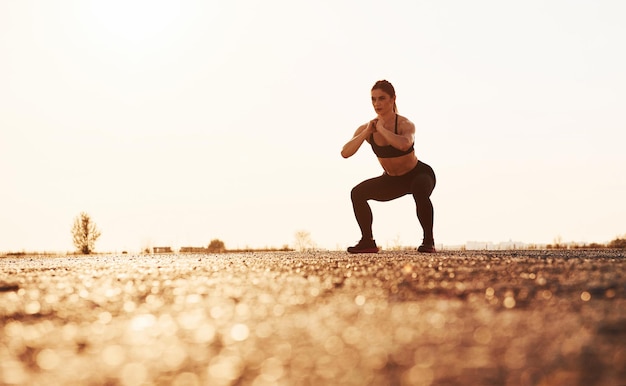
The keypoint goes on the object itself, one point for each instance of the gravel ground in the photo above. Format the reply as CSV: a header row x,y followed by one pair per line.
x,y
319,318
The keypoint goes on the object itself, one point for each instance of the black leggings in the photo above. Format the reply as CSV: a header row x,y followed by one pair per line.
x,y
419,182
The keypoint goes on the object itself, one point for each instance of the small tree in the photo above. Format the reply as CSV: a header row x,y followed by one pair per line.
x,y
303,241
84,233
216,245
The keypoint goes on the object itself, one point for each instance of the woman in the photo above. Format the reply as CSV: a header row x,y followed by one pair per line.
x,y
392,138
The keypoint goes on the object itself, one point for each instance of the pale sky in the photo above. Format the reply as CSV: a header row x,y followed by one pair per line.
x,y
173,123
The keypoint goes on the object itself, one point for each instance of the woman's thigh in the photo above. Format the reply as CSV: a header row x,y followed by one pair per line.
x,y
422,185
381,188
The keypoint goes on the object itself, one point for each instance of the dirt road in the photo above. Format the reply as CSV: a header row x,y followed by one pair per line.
x,y
319,318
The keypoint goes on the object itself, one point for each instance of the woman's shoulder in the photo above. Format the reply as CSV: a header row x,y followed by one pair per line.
x,y
405,123
403,119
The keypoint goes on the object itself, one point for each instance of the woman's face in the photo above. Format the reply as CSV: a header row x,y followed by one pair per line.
x,y
382,102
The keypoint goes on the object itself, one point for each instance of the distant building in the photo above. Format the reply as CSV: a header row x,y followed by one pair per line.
x,y
489,246
479,245
162,250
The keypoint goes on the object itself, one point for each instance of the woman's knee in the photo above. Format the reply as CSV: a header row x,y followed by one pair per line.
x,y
357,193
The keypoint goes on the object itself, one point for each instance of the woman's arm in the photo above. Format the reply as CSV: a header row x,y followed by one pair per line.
x,y
361,134
405,137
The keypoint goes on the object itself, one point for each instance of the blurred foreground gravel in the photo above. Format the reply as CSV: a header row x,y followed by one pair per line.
x,y
319,318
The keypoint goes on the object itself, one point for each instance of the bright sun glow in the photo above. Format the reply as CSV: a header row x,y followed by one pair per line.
x,y
133,21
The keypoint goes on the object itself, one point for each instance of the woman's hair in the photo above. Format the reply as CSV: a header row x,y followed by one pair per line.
x,y
386,87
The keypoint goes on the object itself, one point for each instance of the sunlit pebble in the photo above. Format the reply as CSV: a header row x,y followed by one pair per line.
x,y
403,335
217,312
129,287
265,298
189,320
413,309
69,332
585,296
112,292
154,301
546,294
278,310
205,333
129,306
263,330
97,329
167,325
113,355
141,322
51,299
515,356
326,367
243,310
272,369
351,335
283,351
418,375
14,329
133,374
12,373
186,379
173,357
375,357
509,302
369,308
193,299
47,359
240,332
105,317
482,335
33,293
436,319
334,345
32,307
224,368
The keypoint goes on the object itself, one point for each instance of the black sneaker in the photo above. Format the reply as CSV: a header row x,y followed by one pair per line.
x,y
427,248
364,246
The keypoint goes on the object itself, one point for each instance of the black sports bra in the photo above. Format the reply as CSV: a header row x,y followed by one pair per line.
x,y
389,151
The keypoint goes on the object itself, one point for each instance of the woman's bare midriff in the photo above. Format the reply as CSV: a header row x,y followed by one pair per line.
x,y
398,166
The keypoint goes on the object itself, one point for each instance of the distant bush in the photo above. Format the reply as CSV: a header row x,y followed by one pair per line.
x,y
216,245
618,243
